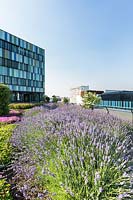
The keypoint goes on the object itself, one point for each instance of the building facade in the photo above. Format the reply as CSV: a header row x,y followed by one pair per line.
x,y
22,68
76,94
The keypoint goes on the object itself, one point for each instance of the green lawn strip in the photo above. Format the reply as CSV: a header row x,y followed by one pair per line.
x,y
5,152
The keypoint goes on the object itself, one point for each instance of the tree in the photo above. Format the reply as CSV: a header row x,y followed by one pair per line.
x,y
54,99
4,99
46,99
90,100
65,100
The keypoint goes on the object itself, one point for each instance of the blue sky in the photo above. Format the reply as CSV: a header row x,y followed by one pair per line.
x,y
87,42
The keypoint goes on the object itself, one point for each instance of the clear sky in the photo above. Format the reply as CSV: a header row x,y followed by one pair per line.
x,y
87,42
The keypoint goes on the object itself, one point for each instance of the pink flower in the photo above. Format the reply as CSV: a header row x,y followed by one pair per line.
x,y
15,112
9,119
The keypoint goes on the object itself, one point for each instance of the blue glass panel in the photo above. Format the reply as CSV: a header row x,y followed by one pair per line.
x,y
0,52
5,35
15,56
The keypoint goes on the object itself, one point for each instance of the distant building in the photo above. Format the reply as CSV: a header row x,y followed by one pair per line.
x,y
78,92
22,68
117,99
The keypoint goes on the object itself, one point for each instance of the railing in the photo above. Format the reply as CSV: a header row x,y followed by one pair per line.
x,y
126,105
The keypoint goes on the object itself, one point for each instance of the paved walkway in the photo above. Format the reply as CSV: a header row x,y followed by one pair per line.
x,y
123,114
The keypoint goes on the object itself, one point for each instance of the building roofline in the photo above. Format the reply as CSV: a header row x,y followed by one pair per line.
x,y
22,39
119,91
78,87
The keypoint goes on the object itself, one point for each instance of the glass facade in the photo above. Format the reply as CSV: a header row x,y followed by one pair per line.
x,y
118,99
22,68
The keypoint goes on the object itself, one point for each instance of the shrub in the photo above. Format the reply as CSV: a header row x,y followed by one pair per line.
x,y
24,105
21,105
72,153
54,99
5,158
4,99
5,146
46,99
65,100
5,190
90,100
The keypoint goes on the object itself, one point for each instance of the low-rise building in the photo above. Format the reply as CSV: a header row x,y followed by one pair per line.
x,y
78,92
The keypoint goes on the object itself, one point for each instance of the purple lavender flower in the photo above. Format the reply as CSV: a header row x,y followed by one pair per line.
x,y
71,147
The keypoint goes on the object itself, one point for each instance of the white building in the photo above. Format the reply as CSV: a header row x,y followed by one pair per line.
x,y
76,94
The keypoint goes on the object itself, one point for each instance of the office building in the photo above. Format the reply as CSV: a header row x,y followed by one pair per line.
x,y
22,68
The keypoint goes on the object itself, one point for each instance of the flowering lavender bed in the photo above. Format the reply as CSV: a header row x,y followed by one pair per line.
x,y
72,153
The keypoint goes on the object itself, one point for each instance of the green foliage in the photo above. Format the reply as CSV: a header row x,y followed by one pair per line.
x,y
46,181
65,100
74,179
24,105
54,99
46,99
79,178
90,100
4,99
5,190
21,105
5,147
5,152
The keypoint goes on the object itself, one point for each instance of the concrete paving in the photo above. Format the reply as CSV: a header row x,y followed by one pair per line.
x,y
122,114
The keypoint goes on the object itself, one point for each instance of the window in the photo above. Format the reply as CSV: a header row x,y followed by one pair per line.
x,y
0,52
25,60
2,80
2,34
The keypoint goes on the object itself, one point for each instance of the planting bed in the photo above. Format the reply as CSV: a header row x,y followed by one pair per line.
x,y
71,153
5,158
6,130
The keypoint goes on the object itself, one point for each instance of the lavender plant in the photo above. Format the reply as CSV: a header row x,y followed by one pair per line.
x,y
72,153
